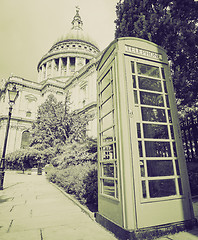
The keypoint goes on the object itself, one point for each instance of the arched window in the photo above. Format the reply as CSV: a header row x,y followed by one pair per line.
x,y
25,140
28,114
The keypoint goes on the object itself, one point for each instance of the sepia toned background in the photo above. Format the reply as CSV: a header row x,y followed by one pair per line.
x,y
29,28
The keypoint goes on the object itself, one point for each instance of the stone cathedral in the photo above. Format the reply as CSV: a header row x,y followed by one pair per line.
x,y
68,67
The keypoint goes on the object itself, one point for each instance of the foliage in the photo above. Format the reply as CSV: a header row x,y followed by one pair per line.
x,y
80,180
28,158
23,158
186,112
173,25
76,170
193,177
54,128
76,153
59,139
47,154
55,124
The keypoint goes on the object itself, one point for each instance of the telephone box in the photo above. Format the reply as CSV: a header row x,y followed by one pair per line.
x,y
143,185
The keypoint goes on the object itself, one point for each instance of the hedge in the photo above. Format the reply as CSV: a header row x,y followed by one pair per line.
x,y
28,158
193,177
79,180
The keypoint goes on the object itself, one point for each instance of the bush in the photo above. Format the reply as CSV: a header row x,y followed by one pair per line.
x,y
76,153
80,180
91,187
193,177
23,158
28,158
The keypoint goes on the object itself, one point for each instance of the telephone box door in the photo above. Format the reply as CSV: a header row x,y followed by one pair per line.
x,y
160,195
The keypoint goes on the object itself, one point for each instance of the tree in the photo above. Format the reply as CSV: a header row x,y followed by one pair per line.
x,y
55,124
172,24
76,153
23,158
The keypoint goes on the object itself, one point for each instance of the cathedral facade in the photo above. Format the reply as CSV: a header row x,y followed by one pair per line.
x,y
69,67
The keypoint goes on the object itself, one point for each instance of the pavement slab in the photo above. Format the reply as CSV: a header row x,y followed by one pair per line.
x,y
33,209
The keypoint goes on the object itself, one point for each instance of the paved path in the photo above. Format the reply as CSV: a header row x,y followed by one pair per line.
x,y
33,209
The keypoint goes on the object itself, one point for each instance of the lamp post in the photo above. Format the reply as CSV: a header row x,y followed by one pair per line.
x,y
12,94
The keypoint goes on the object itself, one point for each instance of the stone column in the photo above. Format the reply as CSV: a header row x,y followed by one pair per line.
x,y
52,68
68,63
74,64
49,69
79,63
60,66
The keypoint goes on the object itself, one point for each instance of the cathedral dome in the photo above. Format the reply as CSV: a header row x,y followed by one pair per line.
x,y
78,35
69,53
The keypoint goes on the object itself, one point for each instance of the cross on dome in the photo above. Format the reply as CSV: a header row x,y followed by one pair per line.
x,y
77,9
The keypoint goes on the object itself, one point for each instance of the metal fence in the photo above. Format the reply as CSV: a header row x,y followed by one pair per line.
x,y
189,129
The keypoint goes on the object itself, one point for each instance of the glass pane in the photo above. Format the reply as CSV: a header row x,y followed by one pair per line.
x,y
28,114
116,170
106,93
155,131
107,136
153,114
108,170
177,167
169,116
138,130
162,188
157,149
107,121
106,107
101,186
25,140
105,81
172,132
108,187
160,168
144,189
134,81
107,152
135,97
163,73
167,101
150,84
180,186
115,151
165,88
148,70
151,99
142,169
132,67
116,186
174,149
140,148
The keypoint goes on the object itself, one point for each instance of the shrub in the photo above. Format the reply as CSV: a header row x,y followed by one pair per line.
x,y
80,180
28,158
193,177
91,186
23,158
76,153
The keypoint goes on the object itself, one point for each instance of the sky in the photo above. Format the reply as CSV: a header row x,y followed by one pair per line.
x,y
28,29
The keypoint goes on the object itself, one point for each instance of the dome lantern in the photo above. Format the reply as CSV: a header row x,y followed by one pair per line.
x,y
77,22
